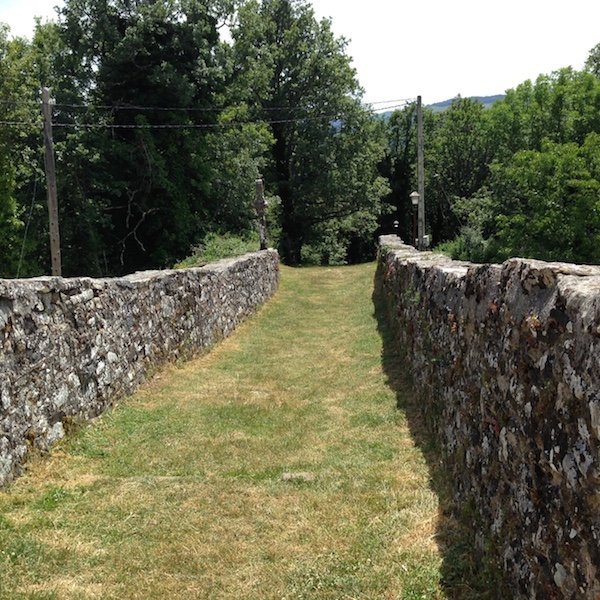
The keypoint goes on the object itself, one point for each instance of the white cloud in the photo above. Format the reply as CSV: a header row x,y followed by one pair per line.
x,y
436,48
20,14
439,48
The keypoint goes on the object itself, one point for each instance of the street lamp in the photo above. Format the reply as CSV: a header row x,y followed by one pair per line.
x,y
414,198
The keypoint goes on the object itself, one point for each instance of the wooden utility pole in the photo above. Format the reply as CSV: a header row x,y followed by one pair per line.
x,y
420,173
51,183
260,204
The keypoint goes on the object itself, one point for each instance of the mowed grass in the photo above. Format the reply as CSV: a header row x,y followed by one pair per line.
x,y
276,466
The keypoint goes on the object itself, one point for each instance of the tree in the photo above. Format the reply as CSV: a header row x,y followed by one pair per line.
x,y
548,203
147,182
23,212
536,194
294,73
10,225
592,64
457,164
151,182
398,167
561,107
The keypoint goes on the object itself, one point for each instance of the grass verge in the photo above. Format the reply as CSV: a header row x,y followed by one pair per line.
x,y
277,466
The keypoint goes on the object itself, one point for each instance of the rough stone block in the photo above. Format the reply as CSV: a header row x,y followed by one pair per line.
x,y
70,347
510,360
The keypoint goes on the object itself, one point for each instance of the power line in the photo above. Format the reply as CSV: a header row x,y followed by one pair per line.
x,y
209,109
21,124
231,124
192,125
158,126
123,107
174,125
396,101
132,107
378,111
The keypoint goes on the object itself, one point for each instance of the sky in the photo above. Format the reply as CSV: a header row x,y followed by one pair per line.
x,y
435,48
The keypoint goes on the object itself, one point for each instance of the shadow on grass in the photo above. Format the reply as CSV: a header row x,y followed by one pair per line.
x,y
466,573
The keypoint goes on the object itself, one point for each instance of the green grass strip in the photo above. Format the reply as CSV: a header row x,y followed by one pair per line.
x,y
277,466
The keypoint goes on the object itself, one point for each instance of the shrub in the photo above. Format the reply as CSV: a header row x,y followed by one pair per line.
x,y
215,246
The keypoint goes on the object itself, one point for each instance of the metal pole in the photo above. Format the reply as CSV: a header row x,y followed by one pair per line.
x,y
51,183
260,205
414,240
420,172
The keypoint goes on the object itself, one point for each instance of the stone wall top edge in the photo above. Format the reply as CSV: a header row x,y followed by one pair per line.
x,y
225,263
53,283
560,268
568,272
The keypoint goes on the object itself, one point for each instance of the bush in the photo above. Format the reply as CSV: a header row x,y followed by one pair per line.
x,y
343,241
215,246
468,245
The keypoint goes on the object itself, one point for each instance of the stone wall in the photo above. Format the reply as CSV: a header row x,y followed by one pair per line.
x,y
70,347
506,361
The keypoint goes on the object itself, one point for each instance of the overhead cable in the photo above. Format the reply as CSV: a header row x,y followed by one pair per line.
x,y
226,125
133,107
168,125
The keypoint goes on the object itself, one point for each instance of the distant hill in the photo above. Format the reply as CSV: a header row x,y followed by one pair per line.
x,y
438,107
487,102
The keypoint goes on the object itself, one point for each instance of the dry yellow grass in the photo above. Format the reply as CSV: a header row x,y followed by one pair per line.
x,y
181,491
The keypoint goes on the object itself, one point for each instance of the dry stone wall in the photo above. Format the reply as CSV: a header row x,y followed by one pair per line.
x,y
506,361
70,347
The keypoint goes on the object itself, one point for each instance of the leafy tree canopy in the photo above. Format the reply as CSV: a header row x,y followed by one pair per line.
x,y
139,186
592,63
520,178
292,70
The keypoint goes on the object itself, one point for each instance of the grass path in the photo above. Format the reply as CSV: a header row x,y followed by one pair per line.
x,y
277,466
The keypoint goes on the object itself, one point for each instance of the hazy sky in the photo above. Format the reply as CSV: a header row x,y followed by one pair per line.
x,y
436,48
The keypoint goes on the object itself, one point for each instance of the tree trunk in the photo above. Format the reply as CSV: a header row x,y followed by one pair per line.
x,y
292,248
291,244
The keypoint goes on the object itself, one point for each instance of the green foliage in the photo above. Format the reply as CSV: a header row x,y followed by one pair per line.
x,y
561,107
280,101
235,158
154,184
477,217
292,69
215,246
592,63
469,244
521,178
128,199
341,241
549,203
461,149
10,225
13,61
458,150
459,154
132,196
397,166
328,249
